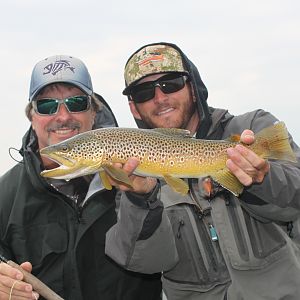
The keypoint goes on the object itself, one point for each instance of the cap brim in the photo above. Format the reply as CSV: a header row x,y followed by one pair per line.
x,y
126,91
73,82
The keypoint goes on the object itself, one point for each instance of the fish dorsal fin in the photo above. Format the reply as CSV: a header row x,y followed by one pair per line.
x,y
117,174
228,181
234,138
105,180
177,184
174,132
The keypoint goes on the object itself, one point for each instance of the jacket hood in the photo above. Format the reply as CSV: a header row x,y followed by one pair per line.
x,y
200,90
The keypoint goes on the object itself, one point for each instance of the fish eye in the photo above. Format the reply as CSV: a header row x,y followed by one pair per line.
x,y
64,148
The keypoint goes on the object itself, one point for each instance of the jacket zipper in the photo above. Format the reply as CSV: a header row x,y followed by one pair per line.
x,y
72,203
79,210
202,213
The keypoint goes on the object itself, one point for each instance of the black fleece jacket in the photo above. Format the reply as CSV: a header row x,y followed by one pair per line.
x,y
64,241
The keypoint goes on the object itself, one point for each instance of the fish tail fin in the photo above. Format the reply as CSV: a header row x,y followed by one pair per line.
x,y
274,143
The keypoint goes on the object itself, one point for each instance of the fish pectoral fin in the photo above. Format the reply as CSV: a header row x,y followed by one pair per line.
x,y
105,180
117,174
228,181
177,184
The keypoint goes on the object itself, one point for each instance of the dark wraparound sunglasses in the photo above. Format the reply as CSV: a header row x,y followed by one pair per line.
x,y
50,106
168,84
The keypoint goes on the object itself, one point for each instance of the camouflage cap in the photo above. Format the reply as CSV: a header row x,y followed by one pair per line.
x,y
152,59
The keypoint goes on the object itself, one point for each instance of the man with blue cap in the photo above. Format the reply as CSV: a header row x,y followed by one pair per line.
x,y
54,228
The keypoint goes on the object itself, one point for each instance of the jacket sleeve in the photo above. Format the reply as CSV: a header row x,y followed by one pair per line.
x,y
279,192
277,198
7,196
142,239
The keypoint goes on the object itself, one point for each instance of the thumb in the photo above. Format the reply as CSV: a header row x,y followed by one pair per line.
x,y
27,266
131,165
247,137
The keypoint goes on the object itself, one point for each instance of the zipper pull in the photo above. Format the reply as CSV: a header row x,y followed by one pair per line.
x,y
180,223
79,214
213,233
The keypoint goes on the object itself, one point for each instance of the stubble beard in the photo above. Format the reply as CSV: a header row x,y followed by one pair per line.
x,y
182,121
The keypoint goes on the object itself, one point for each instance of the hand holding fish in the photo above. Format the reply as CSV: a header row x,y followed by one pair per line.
x,y
243,163
140,185
247,167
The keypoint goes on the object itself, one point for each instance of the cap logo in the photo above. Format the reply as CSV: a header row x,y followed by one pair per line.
x,y
155,56
58,66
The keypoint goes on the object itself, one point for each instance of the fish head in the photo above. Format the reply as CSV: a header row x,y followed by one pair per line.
x,y
77,156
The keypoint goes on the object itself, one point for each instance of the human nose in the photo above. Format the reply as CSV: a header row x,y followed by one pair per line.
x,y
159,95
62,112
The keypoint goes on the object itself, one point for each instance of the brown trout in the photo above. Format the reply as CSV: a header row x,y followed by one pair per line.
x,y
169,154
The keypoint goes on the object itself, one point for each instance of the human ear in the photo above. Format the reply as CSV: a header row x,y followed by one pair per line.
x,y
134,111
192,93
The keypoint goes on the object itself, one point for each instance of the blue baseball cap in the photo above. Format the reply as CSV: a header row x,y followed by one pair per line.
x,y
60,68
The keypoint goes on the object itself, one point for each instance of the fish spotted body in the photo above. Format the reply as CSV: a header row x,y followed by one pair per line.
x,y
171,154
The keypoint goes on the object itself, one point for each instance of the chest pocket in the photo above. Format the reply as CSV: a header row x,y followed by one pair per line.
x,y
36,243
249,244
200,260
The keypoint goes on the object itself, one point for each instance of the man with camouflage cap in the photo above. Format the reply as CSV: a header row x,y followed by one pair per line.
x,y
209,244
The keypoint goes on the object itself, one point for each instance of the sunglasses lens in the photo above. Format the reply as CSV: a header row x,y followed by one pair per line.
x,y
172,85
143,92
46,106
168,84
49,106
77,103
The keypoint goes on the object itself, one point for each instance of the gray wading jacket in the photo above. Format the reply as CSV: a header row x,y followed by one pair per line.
x,y
230,248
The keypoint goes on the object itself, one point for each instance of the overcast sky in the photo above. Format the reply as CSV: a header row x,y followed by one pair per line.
x,y
247,52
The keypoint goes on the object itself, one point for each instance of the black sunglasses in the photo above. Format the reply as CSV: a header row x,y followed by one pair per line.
x,y
50,106
169,83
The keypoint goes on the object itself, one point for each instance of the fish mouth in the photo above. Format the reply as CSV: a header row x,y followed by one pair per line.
x,y
62,171
69,172
61,160
69,168
66,173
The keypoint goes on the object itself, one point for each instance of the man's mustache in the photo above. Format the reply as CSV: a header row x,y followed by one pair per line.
x,y
69,124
